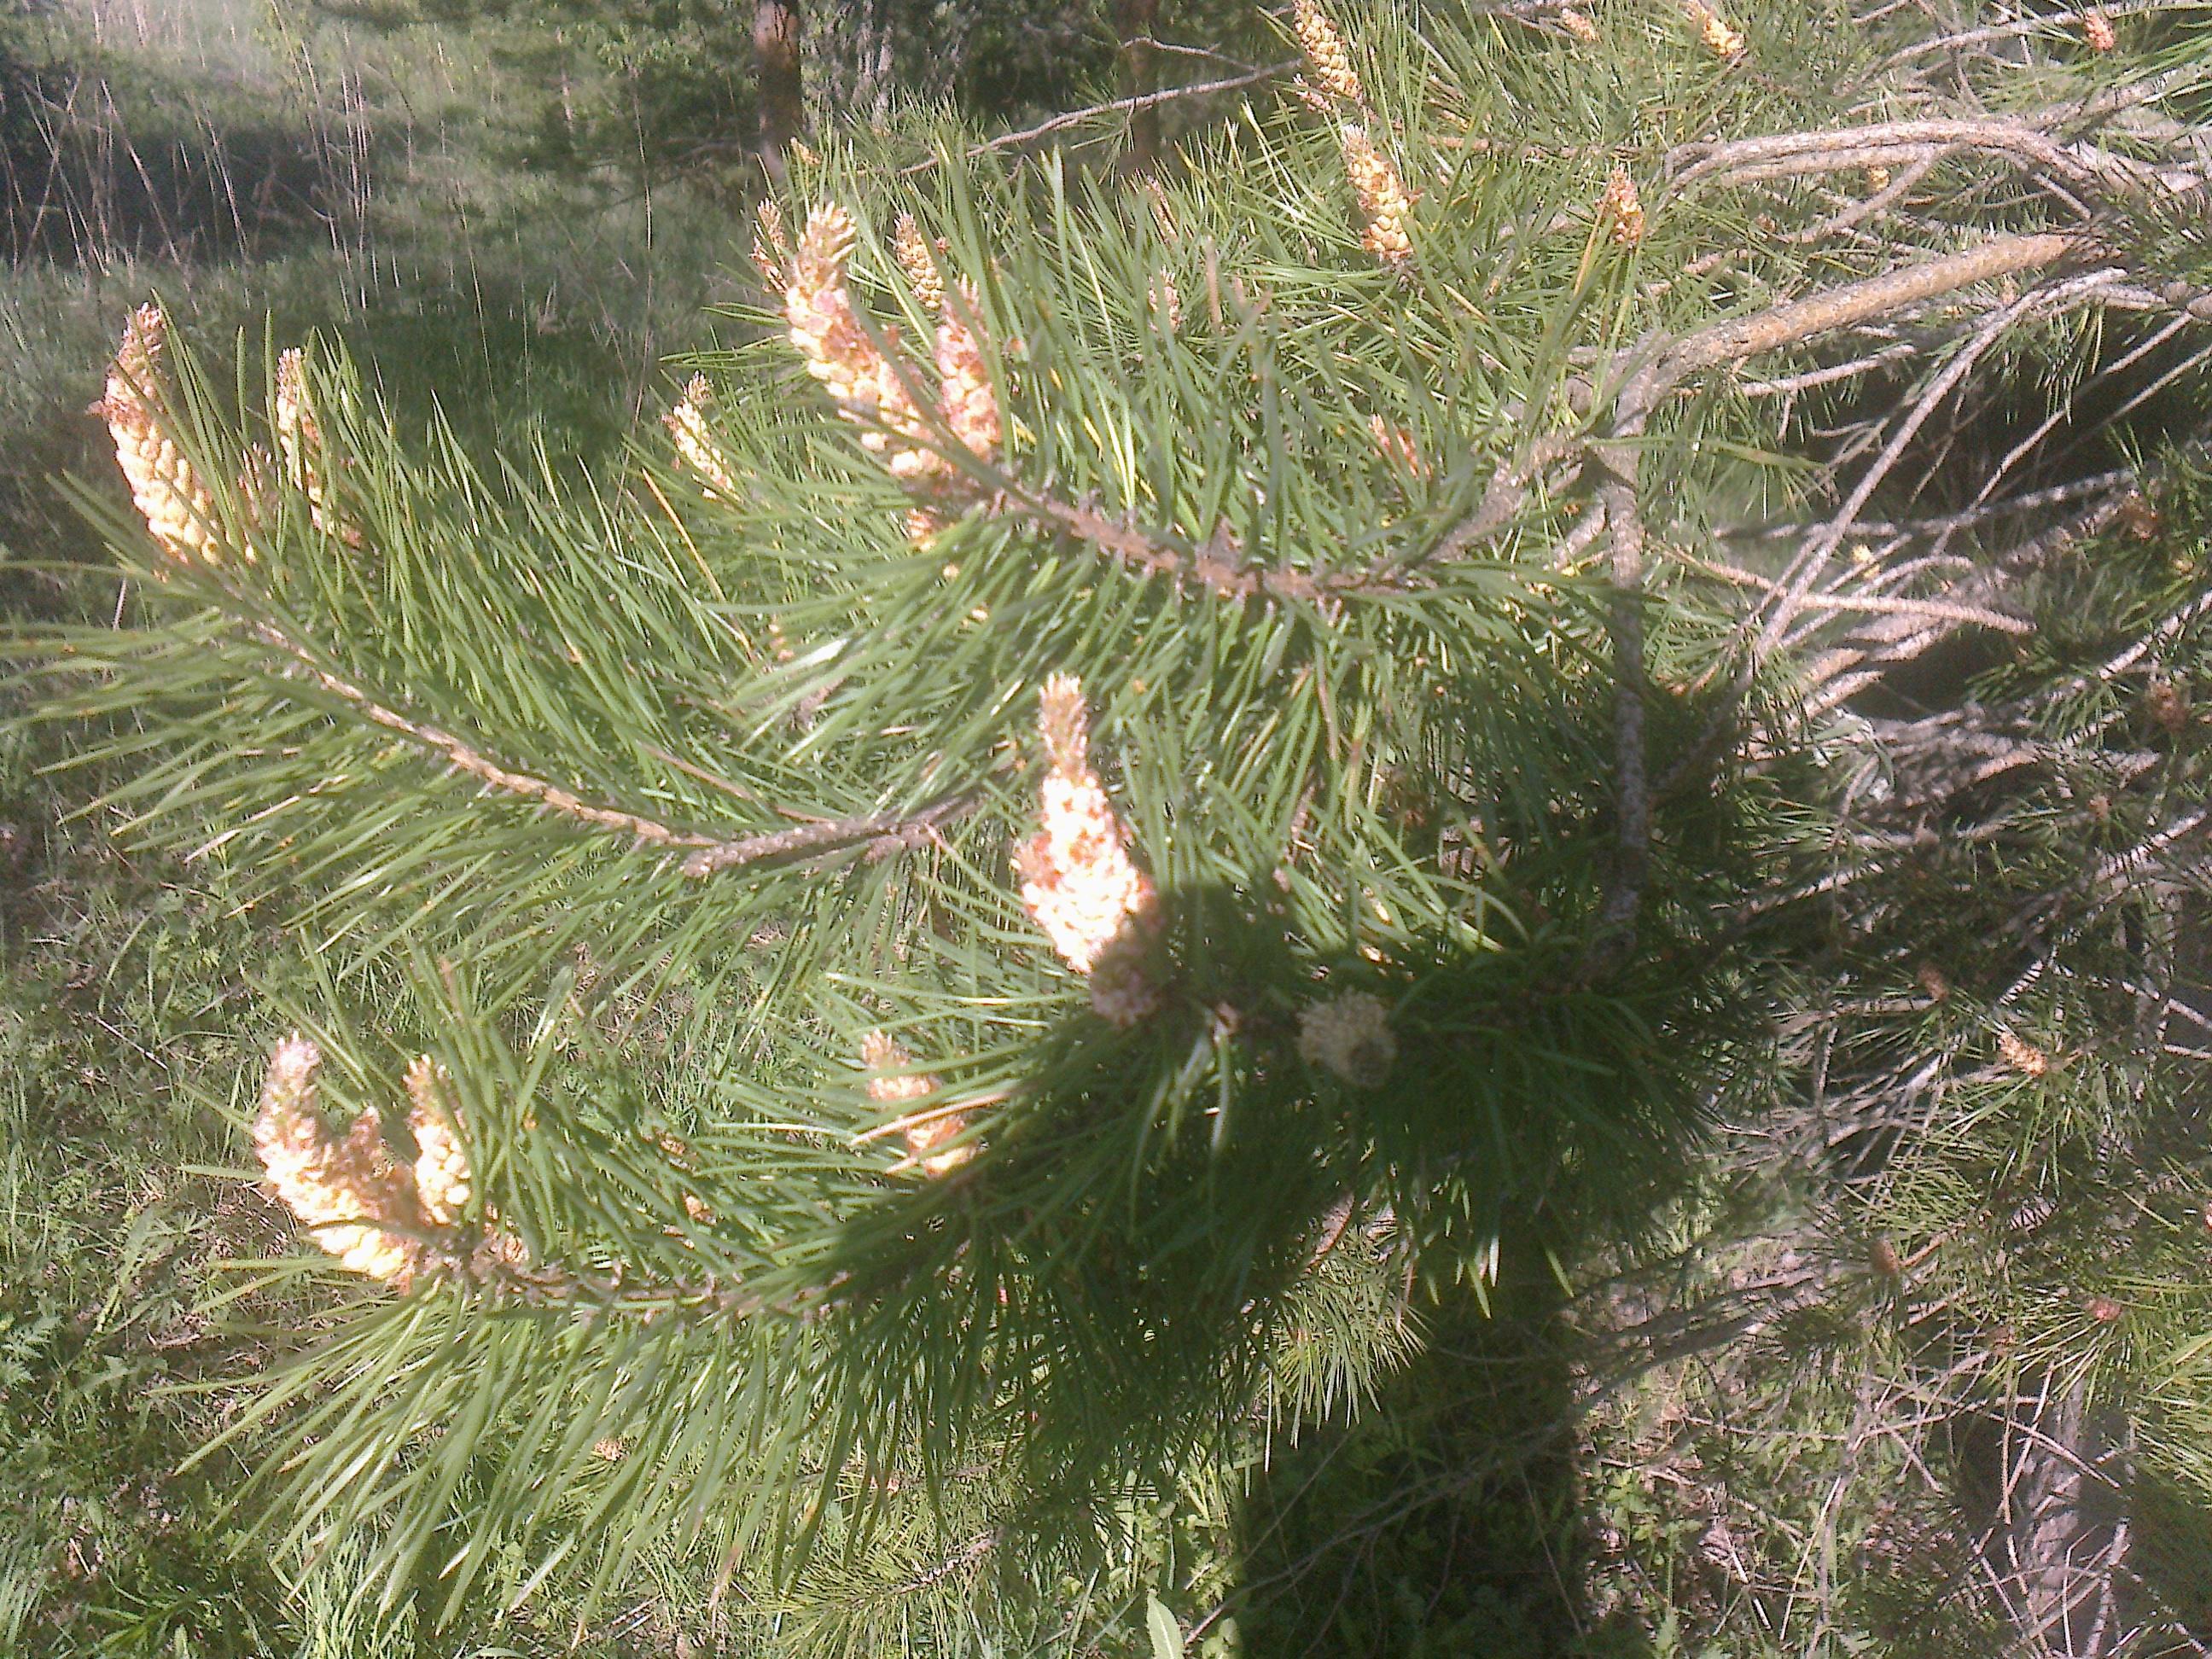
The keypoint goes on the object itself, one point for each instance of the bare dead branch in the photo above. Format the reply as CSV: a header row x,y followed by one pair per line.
x,y
1117,107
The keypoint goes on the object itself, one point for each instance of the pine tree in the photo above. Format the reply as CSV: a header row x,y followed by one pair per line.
x,y
1583,611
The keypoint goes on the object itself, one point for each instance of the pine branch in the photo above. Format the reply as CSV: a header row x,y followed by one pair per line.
x,y
1502,498
463,757
1784,155
1215,566
873,837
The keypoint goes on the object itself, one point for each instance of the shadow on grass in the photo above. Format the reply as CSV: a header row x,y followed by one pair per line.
x,y
104,158
1445,1519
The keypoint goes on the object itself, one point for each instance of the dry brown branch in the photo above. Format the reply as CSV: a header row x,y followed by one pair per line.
x,y
1873,604
2054,24
2026,139
1806,570
1799,320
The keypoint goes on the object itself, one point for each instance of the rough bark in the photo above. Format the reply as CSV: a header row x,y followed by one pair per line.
x,y
778,28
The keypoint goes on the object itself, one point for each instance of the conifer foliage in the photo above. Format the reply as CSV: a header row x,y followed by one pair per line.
x,y
1159,775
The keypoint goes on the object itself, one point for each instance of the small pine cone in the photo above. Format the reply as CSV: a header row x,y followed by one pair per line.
x,y
2163,701
1349,1036
358,1203
1713,29
2102,1309
771,249
927,1143
1384,207
967,402
866,385
1078,882
441,1164
818,309
497,1255
1877,180
1396,443
2140,519
1324,51
1578,25
694,443
1162,213
257,487
169,495
300,442
2097,32
919,261
1620,209
893,1082
1121,993
1932,981
1882,1255
903,447
1166,302
299,437
2022,1056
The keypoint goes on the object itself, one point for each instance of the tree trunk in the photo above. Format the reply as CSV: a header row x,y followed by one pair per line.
x,y
1133,22
2061,1535
777,30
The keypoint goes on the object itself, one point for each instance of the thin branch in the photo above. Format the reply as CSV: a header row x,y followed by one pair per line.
x,y
1784,385
1857,302
1117,106
1215,565
1508,488
1875,604
463,758
966,1555
2031,500
876,836
1615,935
